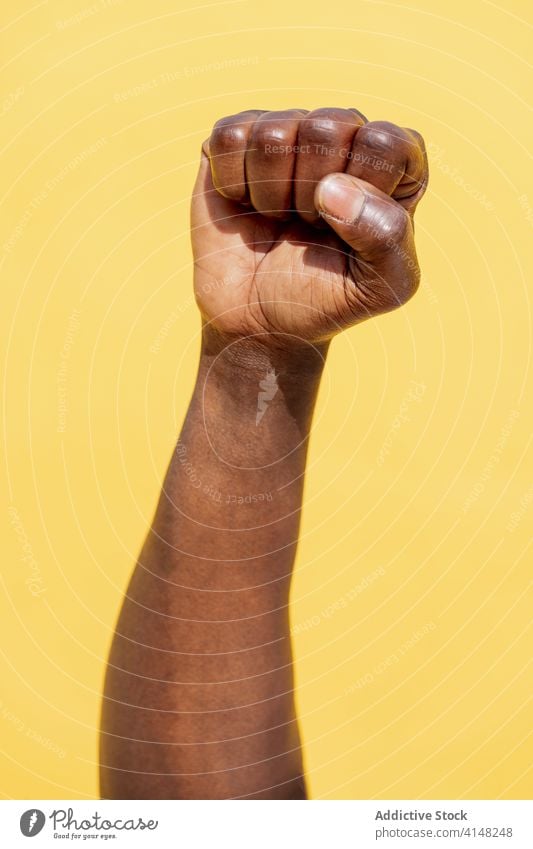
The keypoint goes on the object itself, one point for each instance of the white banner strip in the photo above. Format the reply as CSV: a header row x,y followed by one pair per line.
x,y
264,825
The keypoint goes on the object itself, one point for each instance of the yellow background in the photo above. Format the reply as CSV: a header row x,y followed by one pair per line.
x,y
104,106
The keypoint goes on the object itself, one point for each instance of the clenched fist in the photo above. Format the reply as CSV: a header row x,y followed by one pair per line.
x,y
302,222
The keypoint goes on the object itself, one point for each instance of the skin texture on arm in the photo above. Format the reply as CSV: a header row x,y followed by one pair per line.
x,y
301,227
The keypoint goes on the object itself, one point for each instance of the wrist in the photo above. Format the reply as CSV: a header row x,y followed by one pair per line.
x,y
250,357
261,391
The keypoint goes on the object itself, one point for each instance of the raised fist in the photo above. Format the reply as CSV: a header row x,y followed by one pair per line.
x,y
302,222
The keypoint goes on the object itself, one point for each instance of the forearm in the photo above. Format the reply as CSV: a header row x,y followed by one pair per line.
x,y
202,655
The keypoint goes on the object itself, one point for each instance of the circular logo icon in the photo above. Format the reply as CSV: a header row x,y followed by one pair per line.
x,y
32,822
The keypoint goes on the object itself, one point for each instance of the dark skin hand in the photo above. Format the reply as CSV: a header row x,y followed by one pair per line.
x,y
302,226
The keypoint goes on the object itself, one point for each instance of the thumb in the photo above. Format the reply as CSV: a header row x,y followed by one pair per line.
x,y
377,228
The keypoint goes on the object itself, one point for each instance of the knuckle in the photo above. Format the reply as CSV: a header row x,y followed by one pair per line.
x,y
229,133
417,157
396,224
271,132
361,119
418,137
381,136
324,126
390,226
320,131
225,139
